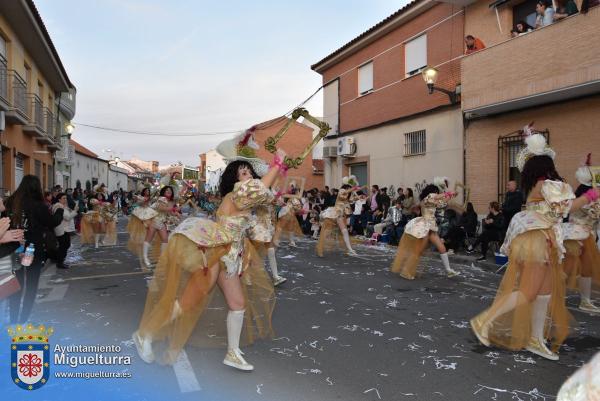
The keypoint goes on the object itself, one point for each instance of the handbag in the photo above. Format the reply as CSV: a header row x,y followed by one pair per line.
x,y
9,284
50,241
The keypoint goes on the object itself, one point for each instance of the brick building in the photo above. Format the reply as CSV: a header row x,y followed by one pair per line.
x,y
550,76
387,129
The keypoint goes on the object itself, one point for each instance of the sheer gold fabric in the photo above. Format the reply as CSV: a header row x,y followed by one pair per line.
x,y
408,254
330,237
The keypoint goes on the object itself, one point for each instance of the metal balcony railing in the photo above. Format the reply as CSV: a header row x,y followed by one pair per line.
x,y
3,79
36,112
50,122
19,93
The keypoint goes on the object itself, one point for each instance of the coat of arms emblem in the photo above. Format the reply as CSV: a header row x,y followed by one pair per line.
x,y
30,355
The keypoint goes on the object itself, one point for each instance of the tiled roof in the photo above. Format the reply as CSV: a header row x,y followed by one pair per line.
x,y
367,32
82,149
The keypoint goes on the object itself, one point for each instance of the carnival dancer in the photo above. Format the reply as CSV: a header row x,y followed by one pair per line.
x,y
530,303
139,221
98,225
167,214
335,217
422,230
582,258
202,253
287,223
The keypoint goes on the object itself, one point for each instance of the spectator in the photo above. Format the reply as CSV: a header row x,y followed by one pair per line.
x,y
334,195
9,242
48,200
392,225
473,44
521,28
587,4
545,13
466,227
565,8
513,201
64,230
408,202
493,230
70,200
355,218
28,201
384,201
79,198
400,194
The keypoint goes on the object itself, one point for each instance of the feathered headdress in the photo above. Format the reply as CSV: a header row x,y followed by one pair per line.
x,y
350,180
441,183
535,146
243,147
583,173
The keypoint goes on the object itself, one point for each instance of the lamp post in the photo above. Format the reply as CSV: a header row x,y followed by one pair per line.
x,y
430,76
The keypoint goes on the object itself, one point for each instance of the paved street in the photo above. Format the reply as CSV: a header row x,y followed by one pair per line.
x,y
345,328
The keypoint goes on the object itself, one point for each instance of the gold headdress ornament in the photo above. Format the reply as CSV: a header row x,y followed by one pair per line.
x,y
30,333
583,173
535,146
243,147
292,162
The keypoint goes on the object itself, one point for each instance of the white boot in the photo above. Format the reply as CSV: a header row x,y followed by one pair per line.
x,y
145,250
537,343
482,328
163,247
446,262
234,358
143,346
277,279
97,240
292,242
346,236
585,292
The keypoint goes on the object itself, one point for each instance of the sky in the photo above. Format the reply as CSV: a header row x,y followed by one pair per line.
x,y
191,66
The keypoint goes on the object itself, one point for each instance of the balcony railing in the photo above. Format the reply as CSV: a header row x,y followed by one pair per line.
x,y
557,62
19,93
4,101
50,122
36,112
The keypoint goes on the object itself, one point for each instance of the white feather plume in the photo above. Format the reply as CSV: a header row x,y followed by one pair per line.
x,y
584,176
536,143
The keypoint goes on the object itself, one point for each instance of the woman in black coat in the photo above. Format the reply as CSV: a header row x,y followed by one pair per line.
x,y
27,209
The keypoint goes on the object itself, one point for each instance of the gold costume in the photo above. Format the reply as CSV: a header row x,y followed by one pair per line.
x,y
416,236
101,220
329,226
196,245
287,223
534,245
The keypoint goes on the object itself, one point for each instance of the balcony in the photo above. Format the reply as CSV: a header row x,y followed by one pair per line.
x,y
18,112
554,63
50,136
4,101
35,125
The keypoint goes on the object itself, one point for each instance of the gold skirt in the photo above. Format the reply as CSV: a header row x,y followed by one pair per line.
x,y
183,264
408,255
582,260
330,237
137,235
92,223
532,255
287,224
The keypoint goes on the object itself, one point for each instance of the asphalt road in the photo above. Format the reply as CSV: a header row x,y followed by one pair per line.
x,y
346,329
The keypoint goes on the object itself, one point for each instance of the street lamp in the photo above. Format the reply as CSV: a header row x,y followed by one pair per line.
x,y
430,76
69,128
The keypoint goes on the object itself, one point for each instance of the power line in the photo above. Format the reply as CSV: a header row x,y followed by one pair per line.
x,y
192,134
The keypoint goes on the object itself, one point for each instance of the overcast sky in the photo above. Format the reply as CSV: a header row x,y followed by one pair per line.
x,y
195,66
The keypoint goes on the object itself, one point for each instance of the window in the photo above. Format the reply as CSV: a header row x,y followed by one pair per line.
x,y
415,55
38,170
525,12
3,47
365,78
415,143
27,76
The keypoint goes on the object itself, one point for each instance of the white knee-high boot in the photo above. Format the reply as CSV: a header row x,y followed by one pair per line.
x,y
585,292
145,250
537,343
446,262
347,242
234,358
97,239
292,242
277,279
481,326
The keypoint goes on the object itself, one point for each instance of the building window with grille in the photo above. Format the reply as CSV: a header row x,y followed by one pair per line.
x,y
415,55
415,143
38,169
365,78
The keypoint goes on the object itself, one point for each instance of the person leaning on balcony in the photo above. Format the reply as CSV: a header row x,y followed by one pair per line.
x,y
565,8
587,4
521,28
473,44
545,13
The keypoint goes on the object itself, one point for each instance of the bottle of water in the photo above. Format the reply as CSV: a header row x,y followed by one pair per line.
x,y
27,258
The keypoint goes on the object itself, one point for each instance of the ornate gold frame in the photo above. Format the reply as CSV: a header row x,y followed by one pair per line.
x,y
295,162
466,193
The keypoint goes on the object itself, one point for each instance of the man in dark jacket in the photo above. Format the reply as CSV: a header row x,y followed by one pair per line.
x,y
513,200
493,230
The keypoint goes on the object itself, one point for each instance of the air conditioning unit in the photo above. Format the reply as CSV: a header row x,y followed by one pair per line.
x,y
329,151
346,147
